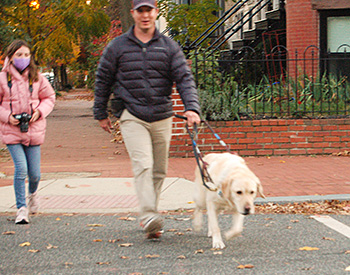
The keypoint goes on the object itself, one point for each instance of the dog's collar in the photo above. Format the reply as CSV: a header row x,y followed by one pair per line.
x,y
212,187
221,195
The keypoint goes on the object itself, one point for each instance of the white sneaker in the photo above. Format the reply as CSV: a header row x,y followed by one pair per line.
x,y
33,202
22,216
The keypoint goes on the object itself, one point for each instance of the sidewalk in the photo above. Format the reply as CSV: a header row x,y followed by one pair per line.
x,y
84,172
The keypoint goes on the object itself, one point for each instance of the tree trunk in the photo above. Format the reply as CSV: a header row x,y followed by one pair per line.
x,y
125,16
56,79
64,78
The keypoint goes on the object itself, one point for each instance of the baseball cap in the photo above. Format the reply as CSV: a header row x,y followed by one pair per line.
x,y
149,3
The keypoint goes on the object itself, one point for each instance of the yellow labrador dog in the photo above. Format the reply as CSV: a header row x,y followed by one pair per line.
x,y
237,187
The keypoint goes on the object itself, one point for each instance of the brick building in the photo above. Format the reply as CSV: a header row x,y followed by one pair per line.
x,y
322,24
307,29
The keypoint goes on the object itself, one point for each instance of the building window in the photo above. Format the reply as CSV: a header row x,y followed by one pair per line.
x,y
335,41
338,34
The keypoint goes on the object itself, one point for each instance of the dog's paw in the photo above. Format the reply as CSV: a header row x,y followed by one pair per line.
x,y
197,225
218,244
232,234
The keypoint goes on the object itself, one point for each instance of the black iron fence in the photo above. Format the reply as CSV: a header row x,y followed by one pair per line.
x,y
252,85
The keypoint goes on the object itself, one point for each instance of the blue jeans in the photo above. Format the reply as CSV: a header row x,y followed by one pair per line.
x,y
27,162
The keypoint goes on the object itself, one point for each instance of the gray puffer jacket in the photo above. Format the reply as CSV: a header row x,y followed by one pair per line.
x,y
142,75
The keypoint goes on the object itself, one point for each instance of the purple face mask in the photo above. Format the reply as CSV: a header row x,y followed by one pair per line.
x,y
21,63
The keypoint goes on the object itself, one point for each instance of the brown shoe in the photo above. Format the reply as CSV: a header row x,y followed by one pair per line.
x,y
153,225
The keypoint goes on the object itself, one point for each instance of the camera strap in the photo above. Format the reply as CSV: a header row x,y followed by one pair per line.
x,y
9,84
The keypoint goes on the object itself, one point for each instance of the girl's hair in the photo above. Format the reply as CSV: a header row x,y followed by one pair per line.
x,y
13,47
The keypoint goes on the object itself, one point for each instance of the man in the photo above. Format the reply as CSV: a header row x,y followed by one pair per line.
x,y
141,66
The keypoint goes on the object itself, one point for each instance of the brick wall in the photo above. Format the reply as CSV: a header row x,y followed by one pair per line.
x,y
302,27
264,137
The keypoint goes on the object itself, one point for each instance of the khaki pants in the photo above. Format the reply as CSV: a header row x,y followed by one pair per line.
x,y
148,148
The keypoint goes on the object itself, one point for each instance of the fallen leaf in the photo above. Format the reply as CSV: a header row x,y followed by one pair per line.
x,y
67,264
182,219
295,221
101,263
25,244
49,246
124,257
179,233
199,251
114,240
9,233
308,248
181,257
68,186
58,219
127,218
217,252
347,252
95,225
97,240
172,230
282,161
189,229
92,229
125,244
348,268
152,256
34,250
328,239
190,202
245,266
307,268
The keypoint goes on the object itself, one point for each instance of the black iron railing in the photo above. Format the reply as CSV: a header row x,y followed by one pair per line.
x,y
275,85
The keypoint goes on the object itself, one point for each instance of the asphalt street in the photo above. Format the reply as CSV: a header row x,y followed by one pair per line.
x,y
114,244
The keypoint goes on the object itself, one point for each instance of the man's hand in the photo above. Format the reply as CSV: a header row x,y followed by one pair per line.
x,y
192,118
106,124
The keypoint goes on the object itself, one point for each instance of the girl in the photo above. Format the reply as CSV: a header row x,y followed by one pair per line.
x,y
26,99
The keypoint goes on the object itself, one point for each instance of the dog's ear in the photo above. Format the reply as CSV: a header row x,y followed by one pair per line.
x,y
260,190
225,188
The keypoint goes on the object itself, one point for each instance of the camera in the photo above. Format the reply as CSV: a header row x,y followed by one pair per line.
x,y
23,121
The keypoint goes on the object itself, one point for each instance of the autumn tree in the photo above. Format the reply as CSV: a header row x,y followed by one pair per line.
x,y
120,10
187,22
6,31
56,28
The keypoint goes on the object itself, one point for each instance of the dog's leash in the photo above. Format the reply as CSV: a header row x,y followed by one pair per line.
x,y
199,157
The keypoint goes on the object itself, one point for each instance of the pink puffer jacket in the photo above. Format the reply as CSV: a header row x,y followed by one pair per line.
x,y
42,99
